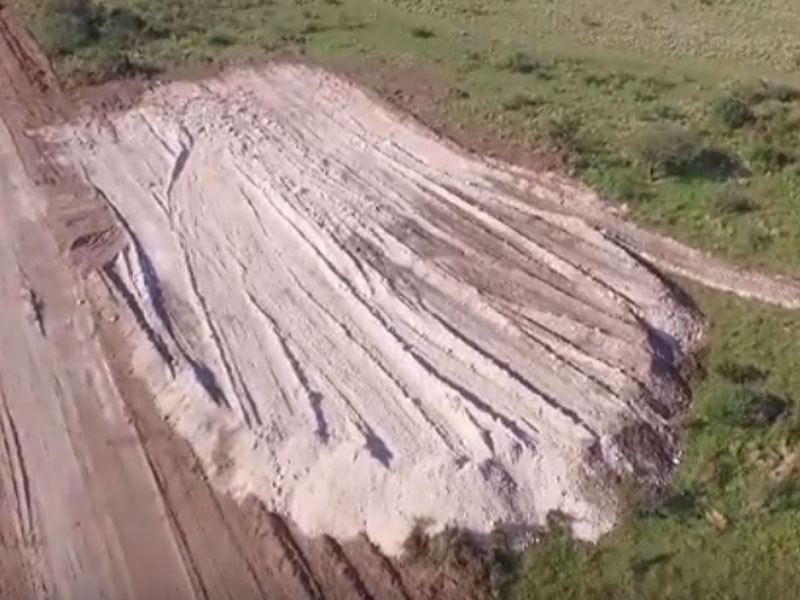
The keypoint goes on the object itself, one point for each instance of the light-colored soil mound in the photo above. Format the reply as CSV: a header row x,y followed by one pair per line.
x,y
362,326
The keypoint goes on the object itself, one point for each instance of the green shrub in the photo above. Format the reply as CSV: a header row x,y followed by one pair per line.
x,y
739,373
416,546
520,62
112,63
769,157
64,26
105,40
563,129
422,33
732,200
733,112
667,148
590,21
122,26
521,100
621,183
746,406
762,90
221,37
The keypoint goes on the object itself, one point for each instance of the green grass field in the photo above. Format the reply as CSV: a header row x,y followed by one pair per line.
x,y
729,526
590,82
686,111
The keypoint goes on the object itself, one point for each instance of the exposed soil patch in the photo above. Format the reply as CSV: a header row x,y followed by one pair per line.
x,y
362,326
417,92
99,498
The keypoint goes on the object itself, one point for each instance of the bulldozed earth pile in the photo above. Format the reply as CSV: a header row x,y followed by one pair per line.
x,y
256,327
362,327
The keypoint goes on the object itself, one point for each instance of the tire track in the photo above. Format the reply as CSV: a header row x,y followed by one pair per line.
x,y
412,339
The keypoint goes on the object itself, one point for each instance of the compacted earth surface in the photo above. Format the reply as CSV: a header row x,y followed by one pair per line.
x,y
256,328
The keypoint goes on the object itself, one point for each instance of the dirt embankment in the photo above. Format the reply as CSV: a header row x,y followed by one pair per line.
x,y
361,326
98,497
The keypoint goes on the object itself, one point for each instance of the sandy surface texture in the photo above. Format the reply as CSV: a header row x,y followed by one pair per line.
x,y
361,326
99,498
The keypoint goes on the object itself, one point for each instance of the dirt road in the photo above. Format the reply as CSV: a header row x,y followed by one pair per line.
x,y
98,497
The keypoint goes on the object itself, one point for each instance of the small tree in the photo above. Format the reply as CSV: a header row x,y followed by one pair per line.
x,y
667,148
520,62
732,200
66,25
733,111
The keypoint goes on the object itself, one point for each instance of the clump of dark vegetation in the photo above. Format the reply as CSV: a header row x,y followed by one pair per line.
x,y
590,21
452,546
733,111
669,149
763,90
747,406
732,200
221,37
767,113
625,184
563,130
521,62
766,157
522,100
456,551
740,373
423,33
417,544
69,27
742,400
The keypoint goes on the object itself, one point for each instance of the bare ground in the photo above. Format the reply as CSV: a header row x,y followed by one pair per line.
x,y
363,327
98,497
265,295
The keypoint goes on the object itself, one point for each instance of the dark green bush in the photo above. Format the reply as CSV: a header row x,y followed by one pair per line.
x,y
106,40
762,90
739,373
733,111
112,63
123,26
667,148
564,130
626,184
768,157
416,546
64,26
732,200
422,33
223,37
520,62
521,100
745,406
